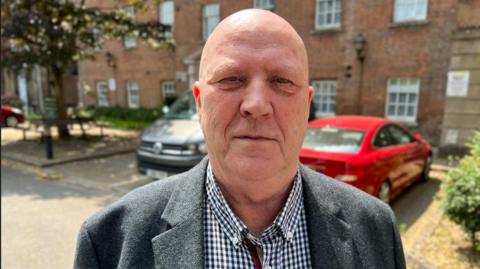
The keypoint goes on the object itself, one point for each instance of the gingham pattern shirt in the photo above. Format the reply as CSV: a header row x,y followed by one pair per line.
x,y
284,244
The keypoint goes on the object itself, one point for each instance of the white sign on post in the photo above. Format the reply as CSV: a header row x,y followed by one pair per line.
x,y
112,85
458,83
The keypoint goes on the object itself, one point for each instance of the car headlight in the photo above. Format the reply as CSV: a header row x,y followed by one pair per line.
x,y
198,148
16,110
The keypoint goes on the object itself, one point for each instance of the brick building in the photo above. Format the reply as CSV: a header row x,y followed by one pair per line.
x,y
385,58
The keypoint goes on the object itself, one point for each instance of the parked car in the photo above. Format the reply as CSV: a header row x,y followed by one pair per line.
x,y
174,143
373,154
11,116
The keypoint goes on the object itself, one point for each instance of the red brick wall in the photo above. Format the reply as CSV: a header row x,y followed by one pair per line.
x,y
419,50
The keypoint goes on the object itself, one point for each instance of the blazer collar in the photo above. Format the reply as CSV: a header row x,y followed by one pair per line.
x,y
180,243
330,236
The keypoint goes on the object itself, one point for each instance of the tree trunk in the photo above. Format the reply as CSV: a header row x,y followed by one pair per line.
x,y
63,131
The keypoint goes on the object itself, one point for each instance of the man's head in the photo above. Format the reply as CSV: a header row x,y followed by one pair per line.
x,y
253,97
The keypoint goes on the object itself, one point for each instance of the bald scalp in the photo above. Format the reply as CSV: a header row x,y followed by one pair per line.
x,y
264,27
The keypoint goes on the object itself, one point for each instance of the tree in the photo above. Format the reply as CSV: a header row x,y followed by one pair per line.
x,y
55,34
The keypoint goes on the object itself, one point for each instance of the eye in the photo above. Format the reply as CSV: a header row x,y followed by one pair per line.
x,y
231,82
281,80
284,85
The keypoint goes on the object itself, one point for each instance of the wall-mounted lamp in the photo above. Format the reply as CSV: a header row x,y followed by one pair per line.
x,y
359,42
110,59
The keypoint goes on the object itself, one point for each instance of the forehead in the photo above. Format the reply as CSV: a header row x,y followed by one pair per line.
x,y
270,47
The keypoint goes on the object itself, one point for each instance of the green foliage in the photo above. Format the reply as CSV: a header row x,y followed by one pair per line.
x,y
462,191
32,116
122,117
59,33
11,101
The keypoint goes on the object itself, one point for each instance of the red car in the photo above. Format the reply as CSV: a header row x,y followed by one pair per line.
x,y
11,116
373,154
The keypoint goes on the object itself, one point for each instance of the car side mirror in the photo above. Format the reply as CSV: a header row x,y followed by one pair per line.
x,y
418,137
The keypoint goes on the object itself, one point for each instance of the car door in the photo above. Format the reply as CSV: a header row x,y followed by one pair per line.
x,y
411,151
384,158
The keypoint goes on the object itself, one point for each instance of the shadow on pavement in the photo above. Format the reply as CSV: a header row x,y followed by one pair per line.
x,y
18,181
414,201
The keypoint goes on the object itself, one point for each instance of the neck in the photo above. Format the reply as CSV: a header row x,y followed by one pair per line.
x,y
257,202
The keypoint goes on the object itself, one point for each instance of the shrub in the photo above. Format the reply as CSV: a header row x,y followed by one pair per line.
x,y
122,117
11,101
462,191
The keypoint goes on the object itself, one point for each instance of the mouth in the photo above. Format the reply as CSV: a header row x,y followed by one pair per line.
x,y
254,138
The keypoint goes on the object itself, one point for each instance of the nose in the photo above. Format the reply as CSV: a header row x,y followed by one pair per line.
x,y
257,101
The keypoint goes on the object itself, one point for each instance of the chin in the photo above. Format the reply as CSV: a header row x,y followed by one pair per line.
x,y
256,168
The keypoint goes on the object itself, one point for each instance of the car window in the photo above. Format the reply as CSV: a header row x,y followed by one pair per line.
x,y
333,139
183,108
382,138
399,136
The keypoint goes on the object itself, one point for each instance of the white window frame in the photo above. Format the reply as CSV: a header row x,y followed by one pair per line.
x,y
410,10
332,11
264,4
168,89
396,87
211,17
166,16
133,93
325,97
102,93
130,41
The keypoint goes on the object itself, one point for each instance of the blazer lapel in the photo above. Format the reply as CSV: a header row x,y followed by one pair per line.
x,y
180,245
330,238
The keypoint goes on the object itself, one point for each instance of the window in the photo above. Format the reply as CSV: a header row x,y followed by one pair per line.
x,y
167,16
130,41
402,99
328,14
382,139
399,136
102,93
168,89
133,94
263,4
410,10
324,99
211,16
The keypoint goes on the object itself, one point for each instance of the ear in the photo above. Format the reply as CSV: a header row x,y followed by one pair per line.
x,y
196,95
310,94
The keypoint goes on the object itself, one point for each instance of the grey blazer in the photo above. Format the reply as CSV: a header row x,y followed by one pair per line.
x,y
160,225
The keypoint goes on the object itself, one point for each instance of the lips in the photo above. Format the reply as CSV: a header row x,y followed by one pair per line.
x,y
254,138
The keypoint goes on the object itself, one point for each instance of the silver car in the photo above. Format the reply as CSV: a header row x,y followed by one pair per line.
x,y
174,143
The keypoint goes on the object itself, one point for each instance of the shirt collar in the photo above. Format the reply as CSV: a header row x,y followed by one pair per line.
x,y
283,225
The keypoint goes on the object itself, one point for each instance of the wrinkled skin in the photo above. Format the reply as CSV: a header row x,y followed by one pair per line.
x,y
253,100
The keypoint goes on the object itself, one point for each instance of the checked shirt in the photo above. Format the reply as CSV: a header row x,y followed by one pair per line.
x,y
284,244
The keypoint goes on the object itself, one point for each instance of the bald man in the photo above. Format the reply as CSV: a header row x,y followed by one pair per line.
x,y
249,204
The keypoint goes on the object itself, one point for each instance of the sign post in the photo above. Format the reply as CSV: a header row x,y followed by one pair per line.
x,y
50,114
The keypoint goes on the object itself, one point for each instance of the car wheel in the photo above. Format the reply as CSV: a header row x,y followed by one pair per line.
x,y
12,121
384,192
426,169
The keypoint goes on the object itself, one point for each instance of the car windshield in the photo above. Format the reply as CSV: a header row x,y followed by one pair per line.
x,y
333,139
183,108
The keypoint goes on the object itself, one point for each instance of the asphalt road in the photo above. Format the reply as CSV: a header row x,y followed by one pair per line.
x,y
40,219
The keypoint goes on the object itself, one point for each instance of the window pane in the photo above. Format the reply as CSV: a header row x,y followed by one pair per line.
x,y
391,110
411,111
412,98
392,97
402,98
401,110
